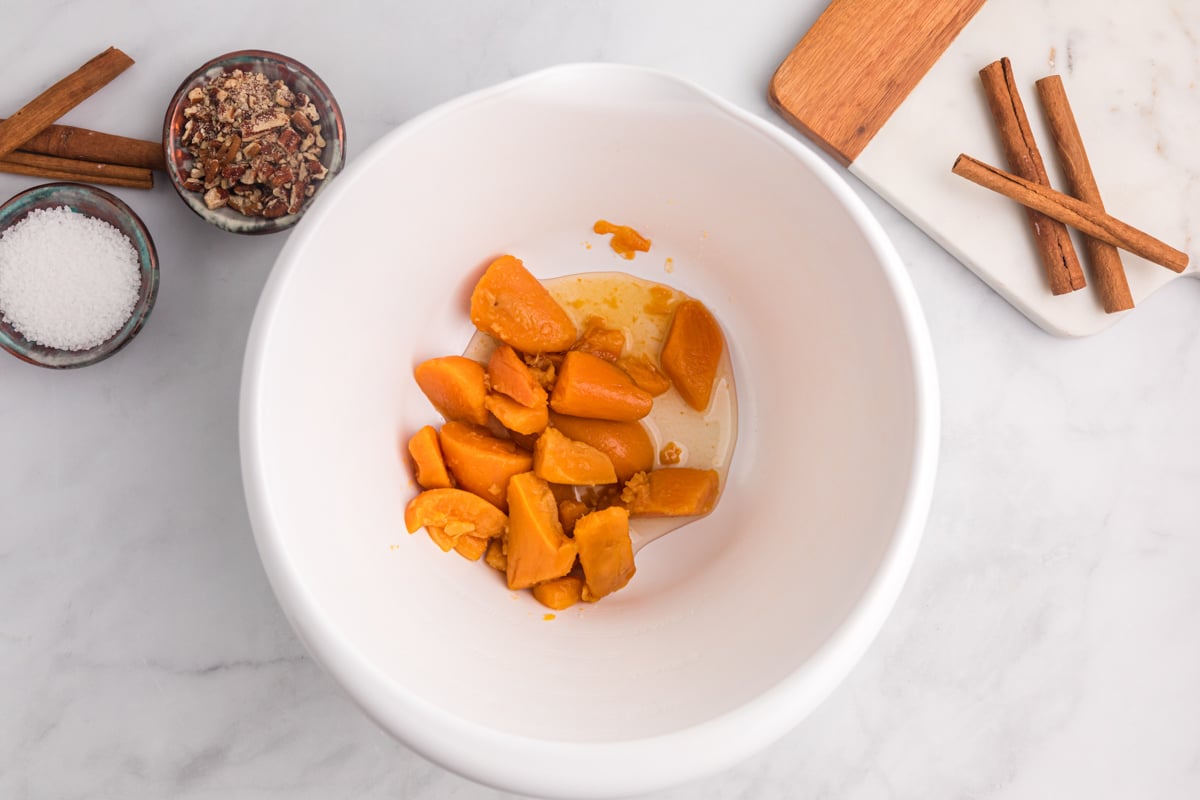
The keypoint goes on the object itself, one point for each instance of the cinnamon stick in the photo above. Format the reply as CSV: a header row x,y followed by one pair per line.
x,y
61,98
67,141
1066,209
1104,258
76,170
1053,242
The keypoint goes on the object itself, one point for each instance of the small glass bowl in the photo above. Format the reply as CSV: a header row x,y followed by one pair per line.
x,y
94,203
274,66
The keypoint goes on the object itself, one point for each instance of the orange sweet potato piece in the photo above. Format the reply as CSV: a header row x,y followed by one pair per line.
x,y
588,386
560,593
515,416
509,375
494,557
671,492
439,537
536,548
455,513
427,455
512,305
480,462
605,551
691,352
569,512
602,342
471,547
626,444
558,459
455,386
644,374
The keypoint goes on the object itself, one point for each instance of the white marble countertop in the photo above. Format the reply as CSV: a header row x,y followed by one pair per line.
x,y
1046,644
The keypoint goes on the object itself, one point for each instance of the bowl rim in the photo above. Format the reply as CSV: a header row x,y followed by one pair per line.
x,y
253,226
141,312
607,768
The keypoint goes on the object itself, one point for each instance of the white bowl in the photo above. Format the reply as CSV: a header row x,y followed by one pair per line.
x,y
735,627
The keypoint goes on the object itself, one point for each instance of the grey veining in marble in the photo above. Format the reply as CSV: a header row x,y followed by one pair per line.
x,y
1046,644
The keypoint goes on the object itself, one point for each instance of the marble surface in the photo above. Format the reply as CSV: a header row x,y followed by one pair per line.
x,y
1046,644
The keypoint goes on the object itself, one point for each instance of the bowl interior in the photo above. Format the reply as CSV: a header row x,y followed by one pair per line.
x,y
102,205
275,67
721,613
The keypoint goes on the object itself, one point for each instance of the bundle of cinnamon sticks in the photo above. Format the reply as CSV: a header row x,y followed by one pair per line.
x,y
1050,212
30,144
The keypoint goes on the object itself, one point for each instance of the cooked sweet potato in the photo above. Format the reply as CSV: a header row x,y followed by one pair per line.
x,y
569,512
455,386
626,444
509,375
512,305
645,375
692,351
535,547
480,462
494,556
516,417
591,387
455,512
427,456
439,537
471,547
558,459
560,593
671,492
605,551
626,242
602,342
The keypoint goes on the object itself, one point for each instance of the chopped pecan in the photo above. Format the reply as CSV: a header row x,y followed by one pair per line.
x,y
301,123
274,208
215,198
289,140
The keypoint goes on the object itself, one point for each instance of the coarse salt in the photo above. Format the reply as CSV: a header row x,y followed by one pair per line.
x,y
67,280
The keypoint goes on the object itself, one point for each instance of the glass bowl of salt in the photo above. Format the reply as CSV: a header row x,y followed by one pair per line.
x,y
78,275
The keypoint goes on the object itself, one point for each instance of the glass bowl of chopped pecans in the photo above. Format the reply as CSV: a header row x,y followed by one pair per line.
x,y
250,139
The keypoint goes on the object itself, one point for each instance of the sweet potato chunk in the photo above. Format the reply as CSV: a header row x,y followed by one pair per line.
x,y
455,386
439,537
509,375
494,557
605,551
471,547
512,305
455,513
569,512
591,387
645,375
602,342
427,456
480,462
560,593
516,417
691,352
626,444
536,549
558,459
671,492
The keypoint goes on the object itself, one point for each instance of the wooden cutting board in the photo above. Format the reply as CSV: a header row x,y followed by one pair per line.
x,y
891,90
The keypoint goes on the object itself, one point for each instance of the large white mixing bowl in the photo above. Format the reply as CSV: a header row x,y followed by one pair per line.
x,y
735,627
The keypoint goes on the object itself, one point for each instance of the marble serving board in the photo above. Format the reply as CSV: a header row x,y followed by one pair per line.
x,y
1131,71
